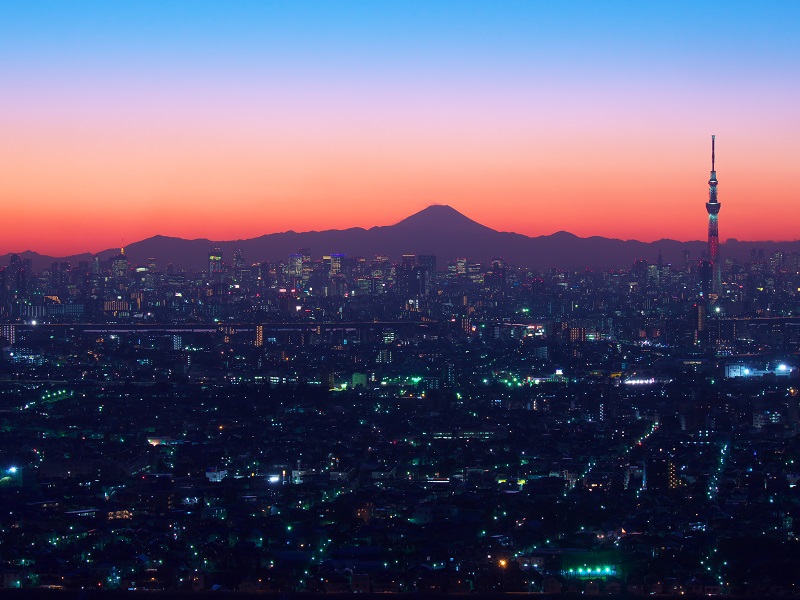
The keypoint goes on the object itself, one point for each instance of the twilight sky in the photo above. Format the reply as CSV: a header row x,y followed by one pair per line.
x,y
228,120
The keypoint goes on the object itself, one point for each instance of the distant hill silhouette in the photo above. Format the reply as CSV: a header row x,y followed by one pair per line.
x,y
439,230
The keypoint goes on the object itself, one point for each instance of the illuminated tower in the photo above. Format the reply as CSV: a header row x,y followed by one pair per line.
x,y
120,264
215,262
712,206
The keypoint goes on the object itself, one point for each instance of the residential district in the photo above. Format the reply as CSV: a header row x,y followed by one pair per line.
x,y
344,424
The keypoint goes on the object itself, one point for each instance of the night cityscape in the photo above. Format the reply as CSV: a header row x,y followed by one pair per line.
x,y
342,424
229,403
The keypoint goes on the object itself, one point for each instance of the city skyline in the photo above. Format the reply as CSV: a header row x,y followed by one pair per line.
x,y
438,230
198,121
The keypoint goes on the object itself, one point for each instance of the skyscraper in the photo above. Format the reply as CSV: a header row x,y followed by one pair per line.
x,y
712,206
215,261
120,264
307,265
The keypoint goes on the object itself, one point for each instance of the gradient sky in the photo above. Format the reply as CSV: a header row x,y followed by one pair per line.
x,y
231,119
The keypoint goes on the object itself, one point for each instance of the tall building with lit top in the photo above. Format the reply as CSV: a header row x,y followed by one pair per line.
x,y
713,206
215,261
120,264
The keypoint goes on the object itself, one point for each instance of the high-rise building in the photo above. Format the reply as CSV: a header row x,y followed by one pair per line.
x,y
9,332
713,206
429,262
295,267
307,265
120,265
404,275
495,278
333,263
425,274
215,261
238,259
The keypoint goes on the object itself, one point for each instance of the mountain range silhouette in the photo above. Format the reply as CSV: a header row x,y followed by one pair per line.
x,y
437,229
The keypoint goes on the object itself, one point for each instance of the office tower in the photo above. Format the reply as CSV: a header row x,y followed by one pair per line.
x,y
332,263
295,267
238,260
215,261
9,332
307,265
429,262
120,265
425,273
713,206
336,263
495,278
404,275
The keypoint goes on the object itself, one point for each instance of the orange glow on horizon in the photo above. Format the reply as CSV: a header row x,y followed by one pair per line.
x,y
254,118
105,186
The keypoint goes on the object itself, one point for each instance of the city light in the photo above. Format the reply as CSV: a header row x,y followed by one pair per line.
x,y
285,419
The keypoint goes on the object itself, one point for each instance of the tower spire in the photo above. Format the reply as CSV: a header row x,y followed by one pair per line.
x,y
713,138
713,207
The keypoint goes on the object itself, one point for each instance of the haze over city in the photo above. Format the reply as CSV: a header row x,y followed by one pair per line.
x,y
229,121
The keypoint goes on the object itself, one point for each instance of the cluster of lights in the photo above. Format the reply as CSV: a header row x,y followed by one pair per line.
x,y
712,484
707,565
50,397
649,381
593,571
641,441
643,438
